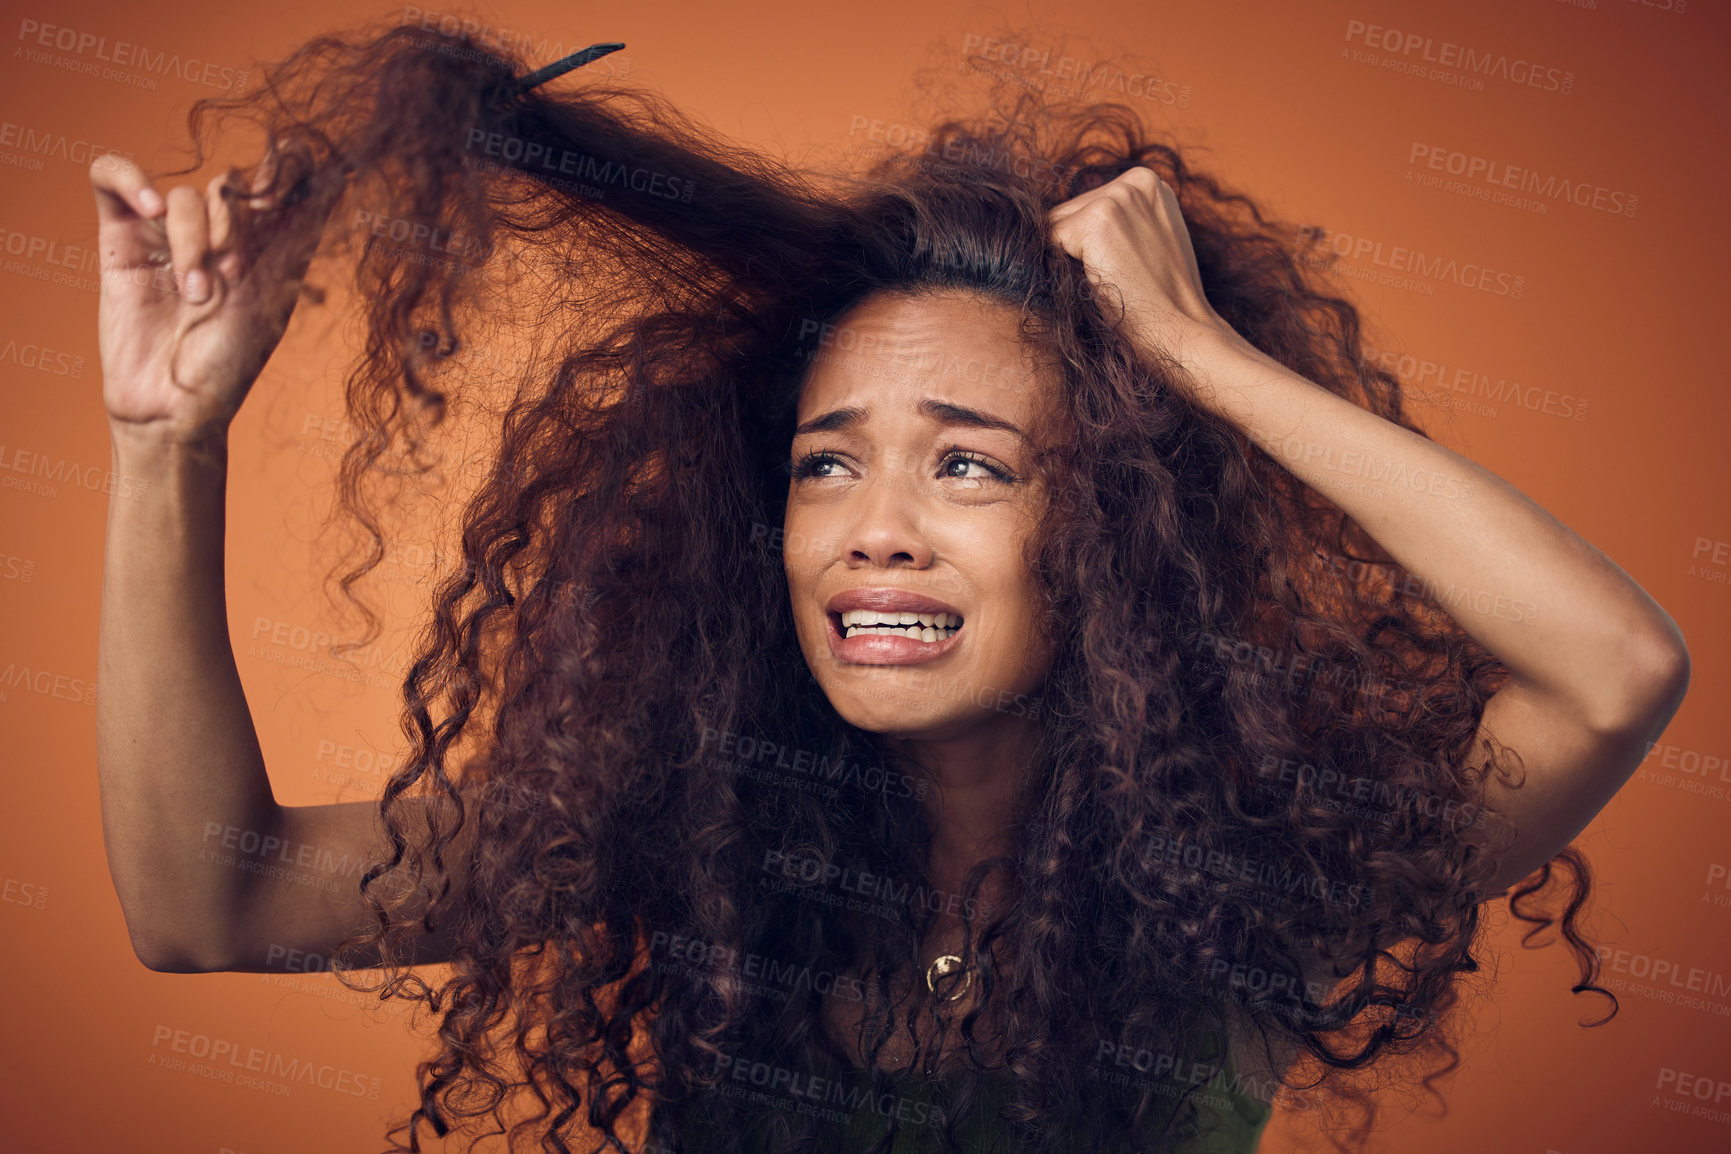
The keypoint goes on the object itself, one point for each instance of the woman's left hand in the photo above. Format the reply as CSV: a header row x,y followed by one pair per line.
x,y
1130,237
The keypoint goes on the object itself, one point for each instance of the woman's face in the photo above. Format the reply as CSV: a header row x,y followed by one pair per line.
x,y
913,493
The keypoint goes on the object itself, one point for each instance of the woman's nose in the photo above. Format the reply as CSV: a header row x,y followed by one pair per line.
x,y
885,530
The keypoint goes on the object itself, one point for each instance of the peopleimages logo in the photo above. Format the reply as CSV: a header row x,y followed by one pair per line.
x,y
40,145
86,52
1472,63
1068,76
43,475
224,1060
1497,175
542,158
1466,389
41,358
1400,259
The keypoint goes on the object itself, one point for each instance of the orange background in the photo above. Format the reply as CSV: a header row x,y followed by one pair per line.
x,y
1623,312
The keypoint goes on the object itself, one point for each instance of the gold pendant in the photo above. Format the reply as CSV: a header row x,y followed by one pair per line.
x,y
947,964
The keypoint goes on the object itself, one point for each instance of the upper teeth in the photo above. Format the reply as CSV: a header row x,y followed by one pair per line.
x,y
887,617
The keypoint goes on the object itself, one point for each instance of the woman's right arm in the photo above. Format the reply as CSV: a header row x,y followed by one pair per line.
x,y
211,872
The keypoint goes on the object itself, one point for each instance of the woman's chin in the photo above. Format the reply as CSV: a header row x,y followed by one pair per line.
x,y
880,718
885,708
909,713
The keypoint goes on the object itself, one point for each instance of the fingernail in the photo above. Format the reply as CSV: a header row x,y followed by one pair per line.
x,y
150,200
196,285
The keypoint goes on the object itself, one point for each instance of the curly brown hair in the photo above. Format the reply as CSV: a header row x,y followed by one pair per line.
x,y
1231,647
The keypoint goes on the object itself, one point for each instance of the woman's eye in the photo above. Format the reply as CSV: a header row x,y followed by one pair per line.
x,y
954,466
968,459
808,465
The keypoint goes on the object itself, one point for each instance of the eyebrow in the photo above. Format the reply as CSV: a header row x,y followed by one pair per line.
x,y
944,412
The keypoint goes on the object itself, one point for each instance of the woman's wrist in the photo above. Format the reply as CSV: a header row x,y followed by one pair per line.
x,y
1219,361
168,461
165,440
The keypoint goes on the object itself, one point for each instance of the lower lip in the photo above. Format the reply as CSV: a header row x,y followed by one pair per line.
x,y
880,649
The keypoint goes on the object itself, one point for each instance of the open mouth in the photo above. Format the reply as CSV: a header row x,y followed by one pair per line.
x,y
927,627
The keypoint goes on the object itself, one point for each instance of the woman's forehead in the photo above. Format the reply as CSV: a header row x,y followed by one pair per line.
x,y
892,352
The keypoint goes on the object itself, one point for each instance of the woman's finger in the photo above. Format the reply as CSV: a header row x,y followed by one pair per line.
x,y
123,191
1083,199
1069,207
188,240
128,214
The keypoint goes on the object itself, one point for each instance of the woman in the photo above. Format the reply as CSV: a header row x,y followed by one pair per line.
x,y
976,659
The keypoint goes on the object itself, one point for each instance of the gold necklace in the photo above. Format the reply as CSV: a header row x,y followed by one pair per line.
x,y
948,964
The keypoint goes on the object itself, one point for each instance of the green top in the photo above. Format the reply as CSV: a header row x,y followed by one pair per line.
x,y
1229,1120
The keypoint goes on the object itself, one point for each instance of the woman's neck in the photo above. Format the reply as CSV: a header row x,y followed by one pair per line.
x,y
978,782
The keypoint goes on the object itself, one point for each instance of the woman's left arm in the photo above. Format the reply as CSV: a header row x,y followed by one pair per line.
x,y
1597,668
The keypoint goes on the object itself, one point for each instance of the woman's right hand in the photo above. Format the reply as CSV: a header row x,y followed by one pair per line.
x,y
198,287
